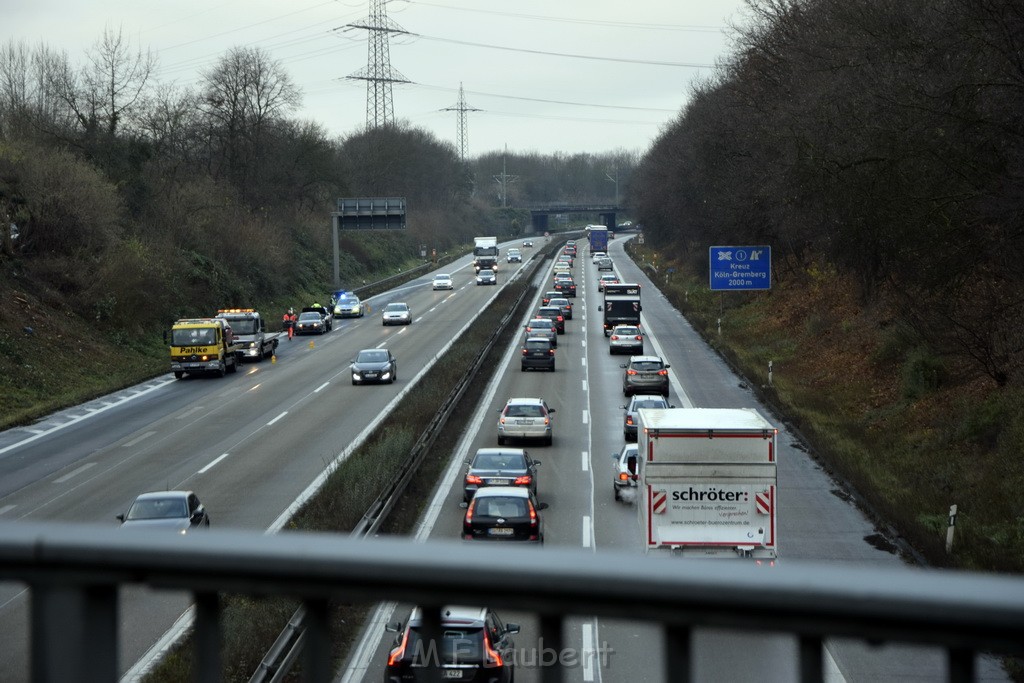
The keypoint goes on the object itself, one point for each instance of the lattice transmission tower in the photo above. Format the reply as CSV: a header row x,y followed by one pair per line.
x,y
462,108
378,73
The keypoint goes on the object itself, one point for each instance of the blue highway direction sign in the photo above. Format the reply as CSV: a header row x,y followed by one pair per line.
x,y
740,268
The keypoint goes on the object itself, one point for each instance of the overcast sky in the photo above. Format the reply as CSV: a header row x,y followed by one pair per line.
x,y
550,76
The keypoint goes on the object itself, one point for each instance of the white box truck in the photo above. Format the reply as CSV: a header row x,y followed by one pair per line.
x,y
706,482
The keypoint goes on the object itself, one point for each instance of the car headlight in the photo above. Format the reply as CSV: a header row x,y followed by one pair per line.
x,y
356,375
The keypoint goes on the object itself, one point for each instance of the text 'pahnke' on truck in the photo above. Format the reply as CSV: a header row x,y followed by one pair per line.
x,y
707,482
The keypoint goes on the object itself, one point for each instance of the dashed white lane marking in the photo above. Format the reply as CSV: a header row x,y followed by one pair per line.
x,y
589,647
7,508
319,388
73,473
586,461
141,437
277,418
191,411
215,461
584,386
586,531
586,417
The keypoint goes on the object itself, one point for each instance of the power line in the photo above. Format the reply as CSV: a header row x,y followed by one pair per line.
x,y
587,22
546,53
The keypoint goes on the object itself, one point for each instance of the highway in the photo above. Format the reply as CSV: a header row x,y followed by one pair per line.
x,y
815,520
251,444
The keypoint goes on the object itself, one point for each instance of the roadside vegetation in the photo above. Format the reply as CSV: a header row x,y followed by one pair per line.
x,y
876,147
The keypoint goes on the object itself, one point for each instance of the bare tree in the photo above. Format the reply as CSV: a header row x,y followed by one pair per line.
x,y
243,95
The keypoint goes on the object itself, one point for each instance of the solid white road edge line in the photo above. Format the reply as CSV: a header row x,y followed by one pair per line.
x,y
105,407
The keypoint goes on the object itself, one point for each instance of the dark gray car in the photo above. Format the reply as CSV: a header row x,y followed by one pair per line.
x,y
178,511
645,375
538,354
500,467
374,365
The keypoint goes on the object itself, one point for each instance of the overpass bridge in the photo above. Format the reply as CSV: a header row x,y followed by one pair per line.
x,y
541,213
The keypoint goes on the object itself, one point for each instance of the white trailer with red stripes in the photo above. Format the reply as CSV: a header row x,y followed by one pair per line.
x,y
707,483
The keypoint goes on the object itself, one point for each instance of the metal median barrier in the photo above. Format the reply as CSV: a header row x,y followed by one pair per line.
x,y
75,573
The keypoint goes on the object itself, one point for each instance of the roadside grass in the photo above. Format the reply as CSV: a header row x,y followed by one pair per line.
x,y
250,626
909,431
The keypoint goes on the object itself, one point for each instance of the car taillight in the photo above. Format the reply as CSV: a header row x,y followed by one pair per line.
x,y
615,337
469,511
639,338
630,372
561,319
623,476
493,657
662,372
629,419
524,480
399,651
547,420
551,352
524,352
533,514
473,479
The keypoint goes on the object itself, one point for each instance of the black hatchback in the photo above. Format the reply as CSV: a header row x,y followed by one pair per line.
x,y
504,513
538,354
476,645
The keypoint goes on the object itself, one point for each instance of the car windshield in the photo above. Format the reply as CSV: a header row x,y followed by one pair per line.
x,y
499,506
499,461
196,336
526,410
158,508
243,325
442,277
372,356
647,365
309,316
396,308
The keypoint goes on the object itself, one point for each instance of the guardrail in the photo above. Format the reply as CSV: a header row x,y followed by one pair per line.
x,y
75,574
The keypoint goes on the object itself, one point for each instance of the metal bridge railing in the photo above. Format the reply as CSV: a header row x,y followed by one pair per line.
x,y
75,574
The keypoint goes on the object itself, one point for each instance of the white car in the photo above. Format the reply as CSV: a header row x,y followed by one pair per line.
x,y
525,418
626,339
624,470
443,281
598,255
396,314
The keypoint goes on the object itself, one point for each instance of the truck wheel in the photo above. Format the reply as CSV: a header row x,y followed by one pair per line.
x,y
233,367
617,496
221,370
178,374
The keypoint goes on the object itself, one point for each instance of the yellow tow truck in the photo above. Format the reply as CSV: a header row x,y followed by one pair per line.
x,y
203,346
